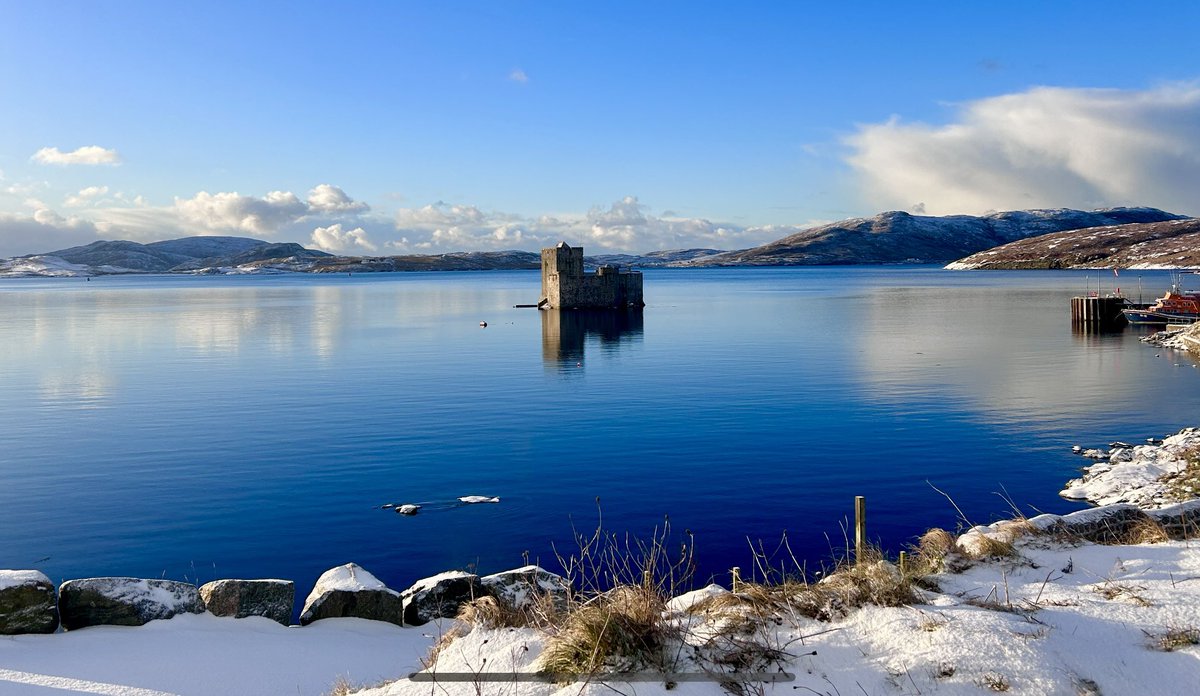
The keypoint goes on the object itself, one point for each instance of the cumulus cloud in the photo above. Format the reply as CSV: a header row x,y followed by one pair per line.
x,y
518,75
1046,147
331,220
625,225
235,212
327,198
334,239
86,196
88,154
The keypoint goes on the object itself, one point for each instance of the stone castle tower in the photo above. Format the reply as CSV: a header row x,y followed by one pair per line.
x,y
565,285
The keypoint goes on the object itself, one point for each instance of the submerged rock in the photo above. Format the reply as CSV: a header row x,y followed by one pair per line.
x,y
350,591
28,603
440,596
273,599
124,601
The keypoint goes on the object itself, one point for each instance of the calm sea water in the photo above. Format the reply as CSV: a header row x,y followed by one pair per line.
x,y
198,428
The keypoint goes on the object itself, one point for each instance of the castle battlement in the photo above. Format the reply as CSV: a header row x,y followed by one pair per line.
x,y
565,285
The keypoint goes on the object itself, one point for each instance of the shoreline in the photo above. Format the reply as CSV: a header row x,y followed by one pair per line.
x,y
1029,579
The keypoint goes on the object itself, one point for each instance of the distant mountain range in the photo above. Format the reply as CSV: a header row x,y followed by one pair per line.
x,y
892,237
898,237
1171,244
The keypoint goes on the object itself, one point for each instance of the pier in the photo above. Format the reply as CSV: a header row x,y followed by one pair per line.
x,y
1097,312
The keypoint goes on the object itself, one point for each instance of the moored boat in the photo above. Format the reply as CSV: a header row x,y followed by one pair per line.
x,y
1175,307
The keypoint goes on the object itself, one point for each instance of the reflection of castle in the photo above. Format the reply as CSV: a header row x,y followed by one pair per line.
x,y
566,286
564,332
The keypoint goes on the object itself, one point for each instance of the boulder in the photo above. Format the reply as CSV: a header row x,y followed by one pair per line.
x,y
440,596
349,590
28,603
525,587
124,601
273,599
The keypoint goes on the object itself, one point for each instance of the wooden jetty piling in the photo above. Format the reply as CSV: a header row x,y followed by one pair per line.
x,y
1097,312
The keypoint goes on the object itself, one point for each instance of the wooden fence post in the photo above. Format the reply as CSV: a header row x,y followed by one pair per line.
x,y
860,527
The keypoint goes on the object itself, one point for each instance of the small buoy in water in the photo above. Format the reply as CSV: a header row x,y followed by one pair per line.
x,y
471,499
407,509
578,364
483,324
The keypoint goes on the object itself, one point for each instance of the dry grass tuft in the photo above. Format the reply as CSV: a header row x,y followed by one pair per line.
x,y
994,681
1115,590
621,629
341,687
1176,638
1185,484
494,612
1147,531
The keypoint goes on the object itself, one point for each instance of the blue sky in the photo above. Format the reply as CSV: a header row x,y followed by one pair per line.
x,y
626,126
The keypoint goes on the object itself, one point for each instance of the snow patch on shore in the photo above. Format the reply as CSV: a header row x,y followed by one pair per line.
x,y
1135,475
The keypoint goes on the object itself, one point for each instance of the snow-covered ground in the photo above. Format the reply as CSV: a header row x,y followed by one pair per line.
x,y
1135,474
204,655
1060,619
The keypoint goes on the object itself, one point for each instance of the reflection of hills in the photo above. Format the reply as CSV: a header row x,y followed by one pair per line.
x,y
565,332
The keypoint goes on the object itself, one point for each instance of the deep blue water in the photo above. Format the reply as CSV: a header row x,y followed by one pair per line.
x,y
199,427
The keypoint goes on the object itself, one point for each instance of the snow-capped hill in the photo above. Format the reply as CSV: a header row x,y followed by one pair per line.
x,y
651,259
1169,244
186,255
900,237
208,247
46,266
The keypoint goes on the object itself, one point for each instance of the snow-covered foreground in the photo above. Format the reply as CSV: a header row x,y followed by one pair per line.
x,y
1060,619
204,655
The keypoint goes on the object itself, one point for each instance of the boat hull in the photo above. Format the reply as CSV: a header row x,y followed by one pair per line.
x,y
1151,317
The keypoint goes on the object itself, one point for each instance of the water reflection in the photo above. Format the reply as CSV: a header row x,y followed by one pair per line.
x,y
565,334
1015,355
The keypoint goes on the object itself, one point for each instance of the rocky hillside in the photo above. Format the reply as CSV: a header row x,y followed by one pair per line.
x,y
898,237
1171,244
653,259
458,261
237,255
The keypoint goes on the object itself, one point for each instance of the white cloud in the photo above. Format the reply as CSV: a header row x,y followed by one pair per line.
x,y
86,196
1046,147
327,198
89,154
518,75
625,225
232,212
334,239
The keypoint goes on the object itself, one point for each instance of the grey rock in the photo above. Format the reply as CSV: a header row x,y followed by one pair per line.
x,y
440,596
525,587
350,591
273,599
124,601
28,603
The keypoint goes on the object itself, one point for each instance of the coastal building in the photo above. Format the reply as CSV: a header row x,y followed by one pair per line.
x,y
565,285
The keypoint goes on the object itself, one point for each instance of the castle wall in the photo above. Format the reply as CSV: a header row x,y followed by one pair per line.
x,y
565,285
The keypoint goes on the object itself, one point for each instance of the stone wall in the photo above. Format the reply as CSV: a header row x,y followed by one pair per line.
x,y
565,285
29,602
